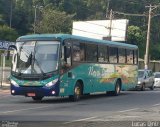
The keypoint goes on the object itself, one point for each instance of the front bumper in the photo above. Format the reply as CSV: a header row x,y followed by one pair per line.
x,y
38,91
138,86
157,84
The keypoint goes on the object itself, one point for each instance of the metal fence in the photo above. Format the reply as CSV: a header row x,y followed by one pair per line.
x,y
153,65
5,70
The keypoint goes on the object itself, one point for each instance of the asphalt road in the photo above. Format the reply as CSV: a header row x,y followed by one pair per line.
x,y
90,111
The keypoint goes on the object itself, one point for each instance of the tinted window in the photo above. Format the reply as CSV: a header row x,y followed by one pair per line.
x,y
113,55
150,73
102,53
130,56
122,55
157,75
140,74
91,52
78,52
135,57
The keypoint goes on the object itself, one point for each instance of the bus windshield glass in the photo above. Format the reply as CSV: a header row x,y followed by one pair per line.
x,y
35,57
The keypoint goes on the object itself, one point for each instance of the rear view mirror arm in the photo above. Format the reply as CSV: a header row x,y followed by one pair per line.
x,y
8,50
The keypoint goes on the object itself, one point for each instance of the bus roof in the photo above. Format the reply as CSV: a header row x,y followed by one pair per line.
x,y
68,36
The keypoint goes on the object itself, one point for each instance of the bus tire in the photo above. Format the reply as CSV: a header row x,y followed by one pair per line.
x,y
37,98
117,90
77,92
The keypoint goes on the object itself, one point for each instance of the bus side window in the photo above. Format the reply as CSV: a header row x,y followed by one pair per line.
x,y
129,56
102,54
135,56
113,58
91,52
121,55
78,52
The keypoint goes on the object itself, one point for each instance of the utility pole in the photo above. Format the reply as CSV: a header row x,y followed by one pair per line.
x,y
146,57
110,24
35,15
107,10
110,18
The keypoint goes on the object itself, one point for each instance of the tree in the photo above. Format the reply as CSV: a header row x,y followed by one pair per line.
x,y
155,51
97,9
136,36
7,33
54,21
23,16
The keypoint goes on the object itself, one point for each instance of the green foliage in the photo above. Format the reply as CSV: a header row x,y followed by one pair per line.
x,y
58,18
23,16
136,36
7,33
54,21
155,50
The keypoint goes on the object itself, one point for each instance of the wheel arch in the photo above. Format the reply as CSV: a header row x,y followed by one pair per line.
x,y
81,83
118,80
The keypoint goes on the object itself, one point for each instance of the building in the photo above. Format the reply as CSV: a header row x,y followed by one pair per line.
x,y
115,30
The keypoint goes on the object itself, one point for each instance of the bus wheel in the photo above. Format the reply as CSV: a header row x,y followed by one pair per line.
x,y
117,88
37,98
77,92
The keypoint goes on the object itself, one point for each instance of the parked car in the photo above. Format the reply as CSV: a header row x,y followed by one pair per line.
x,y
145,80
157,79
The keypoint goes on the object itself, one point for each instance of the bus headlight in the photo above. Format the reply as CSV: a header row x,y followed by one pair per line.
x,y
52,83
14,83
139,82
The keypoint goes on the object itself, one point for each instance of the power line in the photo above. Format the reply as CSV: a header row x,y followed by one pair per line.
x,y
103,25
129,14
95,33
88,32
156,15
131,2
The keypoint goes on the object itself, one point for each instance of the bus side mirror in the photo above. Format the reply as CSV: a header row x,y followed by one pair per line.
x,y
8,51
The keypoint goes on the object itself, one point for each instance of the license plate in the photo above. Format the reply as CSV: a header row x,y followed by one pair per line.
x,y
31,94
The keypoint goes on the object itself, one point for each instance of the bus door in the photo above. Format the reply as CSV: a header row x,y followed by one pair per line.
x,y
66,74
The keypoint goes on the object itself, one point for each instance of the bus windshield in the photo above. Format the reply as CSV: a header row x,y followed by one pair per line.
x,y
35,57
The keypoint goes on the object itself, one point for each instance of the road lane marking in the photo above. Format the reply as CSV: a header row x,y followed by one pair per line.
x,y
128,110
88,118
131,116
23,110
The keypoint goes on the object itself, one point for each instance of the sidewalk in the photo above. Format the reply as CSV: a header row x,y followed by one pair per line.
x,y
4,86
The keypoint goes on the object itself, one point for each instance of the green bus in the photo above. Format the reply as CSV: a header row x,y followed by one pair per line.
x,y
68,65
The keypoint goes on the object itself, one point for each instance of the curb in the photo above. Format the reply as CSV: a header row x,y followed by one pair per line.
x,y
5,91
4,87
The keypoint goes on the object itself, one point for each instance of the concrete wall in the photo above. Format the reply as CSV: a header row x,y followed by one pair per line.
x,y
153,65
